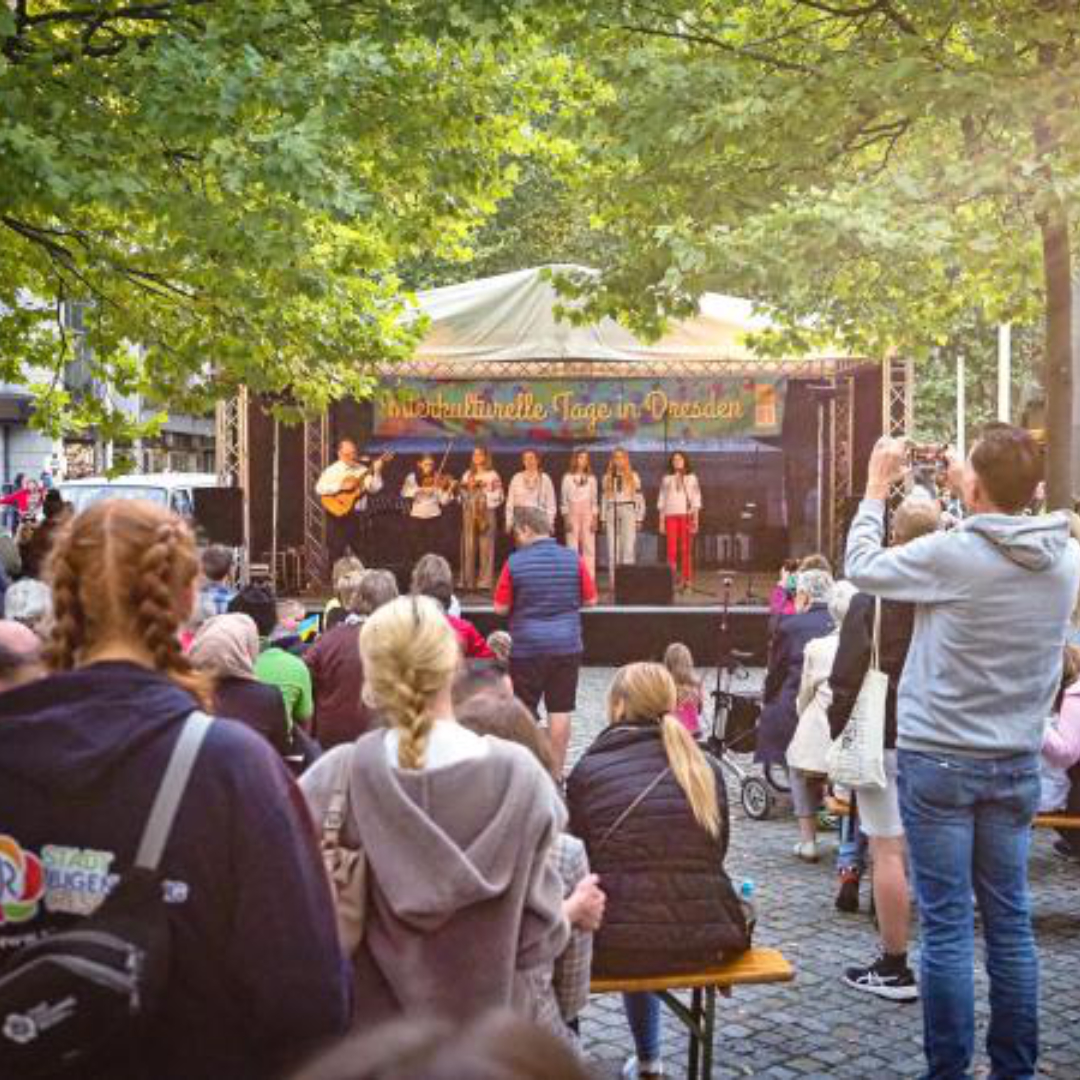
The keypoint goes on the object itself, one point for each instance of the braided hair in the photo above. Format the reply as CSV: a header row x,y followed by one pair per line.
x,y
123,570
410,654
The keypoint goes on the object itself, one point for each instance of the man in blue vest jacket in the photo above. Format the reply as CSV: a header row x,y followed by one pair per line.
x,y
543,587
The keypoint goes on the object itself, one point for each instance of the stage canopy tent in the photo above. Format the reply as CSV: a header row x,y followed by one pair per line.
x,y
514,318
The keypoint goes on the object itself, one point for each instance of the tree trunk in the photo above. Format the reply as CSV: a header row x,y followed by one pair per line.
x,y
1058,366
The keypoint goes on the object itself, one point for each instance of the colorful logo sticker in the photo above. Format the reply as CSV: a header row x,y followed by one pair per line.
x,y
22,882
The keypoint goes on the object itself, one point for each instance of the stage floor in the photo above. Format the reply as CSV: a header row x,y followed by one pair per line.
x,y
749,589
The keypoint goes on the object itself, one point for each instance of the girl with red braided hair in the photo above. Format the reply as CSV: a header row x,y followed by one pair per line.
x,y
257,975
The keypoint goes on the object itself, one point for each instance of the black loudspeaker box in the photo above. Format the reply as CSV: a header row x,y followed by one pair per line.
x,y
653,585
219,513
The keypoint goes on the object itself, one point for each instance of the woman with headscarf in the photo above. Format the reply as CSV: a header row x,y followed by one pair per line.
x,y
226,648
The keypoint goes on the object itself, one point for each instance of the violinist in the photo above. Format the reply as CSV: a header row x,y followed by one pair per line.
x,y
429,491
481,494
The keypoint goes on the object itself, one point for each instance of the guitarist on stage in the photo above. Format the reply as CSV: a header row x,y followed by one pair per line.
x,y
349,480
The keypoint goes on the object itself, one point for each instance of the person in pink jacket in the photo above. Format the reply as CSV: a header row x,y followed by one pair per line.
x,y
1061,754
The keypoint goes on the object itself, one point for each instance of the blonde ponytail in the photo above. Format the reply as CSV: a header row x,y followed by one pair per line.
x,y
410,654
693,773
645,691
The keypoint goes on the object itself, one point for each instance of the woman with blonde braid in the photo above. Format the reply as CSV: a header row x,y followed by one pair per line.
x,y
652,811
256,975
458,918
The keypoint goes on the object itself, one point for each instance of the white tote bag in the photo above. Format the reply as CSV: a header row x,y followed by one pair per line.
x,y
857,758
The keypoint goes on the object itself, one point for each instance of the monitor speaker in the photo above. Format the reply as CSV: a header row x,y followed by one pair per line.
x,y
652,585
219,514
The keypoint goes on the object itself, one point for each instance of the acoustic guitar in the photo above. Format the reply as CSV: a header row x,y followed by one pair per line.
x,y
344,500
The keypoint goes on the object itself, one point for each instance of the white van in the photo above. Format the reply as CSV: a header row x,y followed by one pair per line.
x,y
174,490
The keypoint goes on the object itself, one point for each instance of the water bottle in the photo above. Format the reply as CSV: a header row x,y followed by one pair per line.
x,y
746,896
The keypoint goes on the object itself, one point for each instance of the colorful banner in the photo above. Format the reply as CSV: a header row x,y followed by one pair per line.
x,y
572,410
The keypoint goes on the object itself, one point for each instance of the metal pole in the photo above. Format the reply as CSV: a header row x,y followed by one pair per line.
x,y
274,503
1004,373
961,407
820,470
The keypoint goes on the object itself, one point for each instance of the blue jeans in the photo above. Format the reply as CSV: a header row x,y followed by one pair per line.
x,y
643,1016
968,825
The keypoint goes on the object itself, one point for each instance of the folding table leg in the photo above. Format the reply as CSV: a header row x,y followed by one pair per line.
x,y
694,1030
710,1033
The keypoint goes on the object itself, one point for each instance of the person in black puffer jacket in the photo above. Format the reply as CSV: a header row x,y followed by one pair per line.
x,y
652,811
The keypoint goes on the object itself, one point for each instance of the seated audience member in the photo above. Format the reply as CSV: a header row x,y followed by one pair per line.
x,y
336,610
456,917
337,674
680,663
481,677
432,576
217,568
811,705
816,561
1061,754
21,659
779,717
277,666
566,988
500,643
499,1046
29,601
889,976
652,810
226,648
256,977
257,601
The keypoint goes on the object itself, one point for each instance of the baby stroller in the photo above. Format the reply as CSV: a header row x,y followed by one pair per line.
x,y
734,731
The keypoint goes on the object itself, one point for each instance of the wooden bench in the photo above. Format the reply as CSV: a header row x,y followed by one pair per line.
x,y
841,808
752,968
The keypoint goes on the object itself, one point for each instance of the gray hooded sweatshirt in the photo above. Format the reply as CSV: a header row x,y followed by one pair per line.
x,y
994,598
465,903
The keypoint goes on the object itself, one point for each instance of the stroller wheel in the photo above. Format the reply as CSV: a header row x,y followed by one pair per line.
x,y
757,799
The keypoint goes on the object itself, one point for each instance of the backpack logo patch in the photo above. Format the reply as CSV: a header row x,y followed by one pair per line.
x,y
22,882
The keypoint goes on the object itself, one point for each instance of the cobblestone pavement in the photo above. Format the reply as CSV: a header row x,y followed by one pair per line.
x,y
816,1027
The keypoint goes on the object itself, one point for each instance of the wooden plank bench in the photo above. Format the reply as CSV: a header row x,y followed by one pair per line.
x,y
841,808
752,968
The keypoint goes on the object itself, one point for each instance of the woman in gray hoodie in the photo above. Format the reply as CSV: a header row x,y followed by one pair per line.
x,y
456,827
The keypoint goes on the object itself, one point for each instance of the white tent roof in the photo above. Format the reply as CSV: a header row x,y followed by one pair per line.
x,y
512,317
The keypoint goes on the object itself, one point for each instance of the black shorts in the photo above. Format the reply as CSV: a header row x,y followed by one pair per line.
x,y
551,679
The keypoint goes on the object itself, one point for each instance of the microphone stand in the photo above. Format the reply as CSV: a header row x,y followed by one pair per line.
x,y
725,668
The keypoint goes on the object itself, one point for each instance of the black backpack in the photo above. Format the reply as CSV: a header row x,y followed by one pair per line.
x,y
76,997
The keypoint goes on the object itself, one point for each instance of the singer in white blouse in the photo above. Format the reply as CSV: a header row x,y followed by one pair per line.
x,y
530,487
581,509
679,505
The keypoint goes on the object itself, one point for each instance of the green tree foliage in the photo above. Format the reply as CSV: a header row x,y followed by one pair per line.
x,y
231,186
872,170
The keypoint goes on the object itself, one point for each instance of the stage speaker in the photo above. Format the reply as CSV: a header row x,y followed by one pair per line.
x,y
219,513
652,585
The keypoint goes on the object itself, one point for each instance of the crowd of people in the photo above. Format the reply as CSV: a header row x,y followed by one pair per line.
x,y
972,623
377,828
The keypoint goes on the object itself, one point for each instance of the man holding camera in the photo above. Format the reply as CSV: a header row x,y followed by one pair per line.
x,y
994,597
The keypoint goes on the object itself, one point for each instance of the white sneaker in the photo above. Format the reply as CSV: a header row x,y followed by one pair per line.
x,y
642,1070
806,850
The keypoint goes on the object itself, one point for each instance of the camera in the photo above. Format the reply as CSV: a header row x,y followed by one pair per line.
x,y
928,464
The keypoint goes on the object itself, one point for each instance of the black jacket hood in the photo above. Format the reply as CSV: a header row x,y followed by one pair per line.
x,y
69,731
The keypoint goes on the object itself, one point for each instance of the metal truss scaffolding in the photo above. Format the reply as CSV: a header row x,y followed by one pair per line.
x,y
232,459
843,443
316,458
